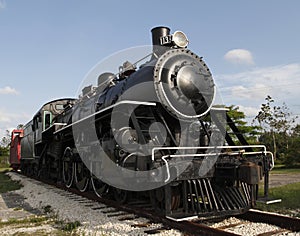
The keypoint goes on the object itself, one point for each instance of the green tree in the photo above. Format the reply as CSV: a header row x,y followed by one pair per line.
x,y
20,126
4,144
250,132
293,154
277,123
5,141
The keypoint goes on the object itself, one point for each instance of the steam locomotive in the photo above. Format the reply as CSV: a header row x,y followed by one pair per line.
x,y
149,132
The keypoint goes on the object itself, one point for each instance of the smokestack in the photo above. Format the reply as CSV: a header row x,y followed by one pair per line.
x,y
157,33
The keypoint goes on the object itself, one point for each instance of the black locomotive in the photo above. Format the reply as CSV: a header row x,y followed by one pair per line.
x,y
150,132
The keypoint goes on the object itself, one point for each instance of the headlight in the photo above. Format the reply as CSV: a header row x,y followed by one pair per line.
x,y
180,39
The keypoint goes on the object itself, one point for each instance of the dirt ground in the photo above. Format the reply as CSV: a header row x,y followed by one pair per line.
x,y
283,179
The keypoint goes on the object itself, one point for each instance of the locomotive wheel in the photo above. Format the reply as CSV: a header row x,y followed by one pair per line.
x,y
175,198
68,167
120,195
100,188
157,198
30,171
36,171
82,175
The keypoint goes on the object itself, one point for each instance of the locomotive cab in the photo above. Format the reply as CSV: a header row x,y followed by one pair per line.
x,y
38,132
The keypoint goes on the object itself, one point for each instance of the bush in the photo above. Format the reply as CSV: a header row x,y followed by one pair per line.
x,y
4,151
292,157
4,162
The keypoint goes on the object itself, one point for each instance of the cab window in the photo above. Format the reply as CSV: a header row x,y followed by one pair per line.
x,y
47,119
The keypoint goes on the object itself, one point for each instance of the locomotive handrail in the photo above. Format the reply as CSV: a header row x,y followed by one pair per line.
x,y
272,158
116,74
105,109
210,147
167,168
214,154
63,124
209,154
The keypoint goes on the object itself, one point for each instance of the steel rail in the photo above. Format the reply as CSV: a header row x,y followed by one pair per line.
x,y
282,221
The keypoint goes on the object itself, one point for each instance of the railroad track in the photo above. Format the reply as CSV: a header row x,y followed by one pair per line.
x,y
284,222
138,208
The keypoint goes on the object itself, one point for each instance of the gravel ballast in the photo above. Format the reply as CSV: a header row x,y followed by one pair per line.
x,y
94,217
93,222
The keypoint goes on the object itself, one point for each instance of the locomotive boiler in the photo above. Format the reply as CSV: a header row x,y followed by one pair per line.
x,y
152,132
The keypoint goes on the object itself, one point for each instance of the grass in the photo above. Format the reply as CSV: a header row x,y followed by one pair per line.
x,y
290,199
69,226
47,209
6,184
60,229
30,220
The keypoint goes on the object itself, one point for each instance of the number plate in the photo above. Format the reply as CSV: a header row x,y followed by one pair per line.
x,y
165,40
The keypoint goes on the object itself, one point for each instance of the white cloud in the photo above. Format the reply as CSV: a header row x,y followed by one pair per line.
x,y
10,119
2,4
255,92
249,111
8,90
6,116
239,56
248,89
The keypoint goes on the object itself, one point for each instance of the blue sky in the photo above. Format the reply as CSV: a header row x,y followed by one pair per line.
x,y
48,46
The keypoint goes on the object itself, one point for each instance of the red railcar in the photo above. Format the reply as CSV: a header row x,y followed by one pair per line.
x,y
15,148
